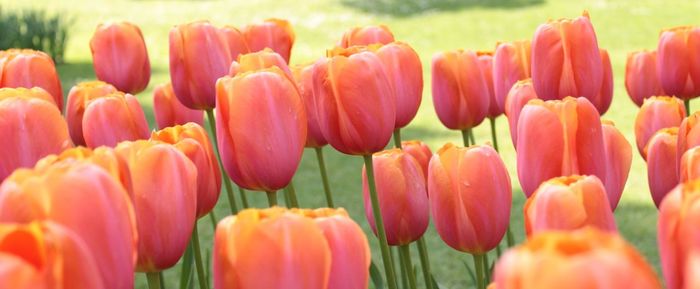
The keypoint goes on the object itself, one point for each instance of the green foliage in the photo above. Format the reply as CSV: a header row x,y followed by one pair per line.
x,y
35,29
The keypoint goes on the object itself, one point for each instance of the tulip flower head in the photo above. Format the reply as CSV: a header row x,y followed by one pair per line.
x,y
237,44
618,159
656,113
262,59
678,61
511,63
405,72
519,95
688,135
641,77
169,111
113,118
30,68
78,98
276,34
486,65
420,151
366,35
303,76
662,175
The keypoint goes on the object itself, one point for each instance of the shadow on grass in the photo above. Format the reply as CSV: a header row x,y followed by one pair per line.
x,y
407,8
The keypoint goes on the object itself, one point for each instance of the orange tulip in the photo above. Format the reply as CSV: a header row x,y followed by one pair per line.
x,y
165,201
261,125
559,138
518,96
405,72
618,159
662,175
192,140
45,255
356,106
470,197
486,65
569,203
236,41
30,68
169,111
366,35
584,259
690,165
85,199
303,76
31,128
420,151
276,34
119,56
641,78
262,59
460,90
511,63
656,113
199,55
113,118
678,61
688,135
293,247
78,98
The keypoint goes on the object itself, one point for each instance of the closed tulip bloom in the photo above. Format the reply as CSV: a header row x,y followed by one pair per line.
x,y
690,165
293,247
276,34
355,102
165,201
486,65
261,125
30,68
199,55
518,96
262,59
366,35
420,151
460,90
86,200
618,159
119,56
678,61
656,113
78,98
688,135
403,196
304,78
584,259
45,255
113,118
192,140
559,138
662,175
405,72
470,197
169,111
641,77
511,63
236,41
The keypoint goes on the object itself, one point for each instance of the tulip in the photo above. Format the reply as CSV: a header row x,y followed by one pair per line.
x,y
294,248
641,78
511,63
618,159
262,59
169,111
584,259
78,98
690,165
662,175
604,99
559,138
405,72
276,34
486,66
45,255
86,200
165,201
420,151
199,55
119,56
113,118
303,75
30,68
678,61
261,125
236,41
31,128
656,113
518,96
192,140
366,35
688,135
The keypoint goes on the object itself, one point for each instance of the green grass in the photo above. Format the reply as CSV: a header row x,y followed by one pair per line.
x,y
429,26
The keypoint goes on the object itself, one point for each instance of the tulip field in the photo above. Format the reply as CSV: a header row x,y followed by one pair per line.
x,y
348,144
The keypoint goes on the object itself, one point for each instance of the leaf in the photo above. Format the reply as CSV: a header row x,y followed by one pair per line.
x,y
186,269
434,282
376,276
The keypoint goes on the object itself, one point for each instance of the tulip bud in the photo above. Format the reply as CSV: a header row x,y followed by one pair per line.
x,y
276,34
30,68
662,175
236,41
511,63
113,118
518,96
641,78
119,56
656,113
169,111
420,151
486,66
262,59
303,76
470,197
366,35
405,72
688,135
78,98
678,61
618,159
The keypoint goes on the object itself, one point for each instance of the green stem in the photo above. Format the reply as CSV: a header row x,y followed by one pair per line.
x,y
201,276
424,262
687,106
227,180
153,280
465,136
324,176
291,193
243,197
487,272
404,274
471,136
406,260
384,246
212,218
509,237
285,197
272,198
397,138
492,120
479,267
162,280
498,250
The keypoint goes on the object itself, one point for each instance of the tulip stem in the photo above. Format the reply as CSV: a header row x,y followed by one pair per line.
x,y
471,136
465,136
687,106
424,262
378,220
212,218
162,280
405,256
225,177
201,277
243,197
324,176
272,198
492,120
397,138
509,237
487,272
153,280
479,267
291,193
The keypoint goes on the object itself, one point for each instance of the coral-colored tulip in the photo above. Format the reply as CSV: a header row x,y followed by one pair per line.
x,y
678,61
169,111
30,68
460,92
165,201
293,247
662,175
688,135
304,78
559,138
618,159
261,123
511,63
604,99
84,198
641,78
420,151
366,35
356,105
518,96
470,197
276,34
585,259
569,203
30,127
486,65
45,255
199,55
690,165
262,59
237,44
78,98
403,196
192,140
119,56
113,118
656,113
405,72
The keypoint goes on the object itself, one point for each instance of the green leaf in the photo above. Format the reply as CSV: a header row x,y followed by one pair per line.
x,y
376,276
186,269
434,282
